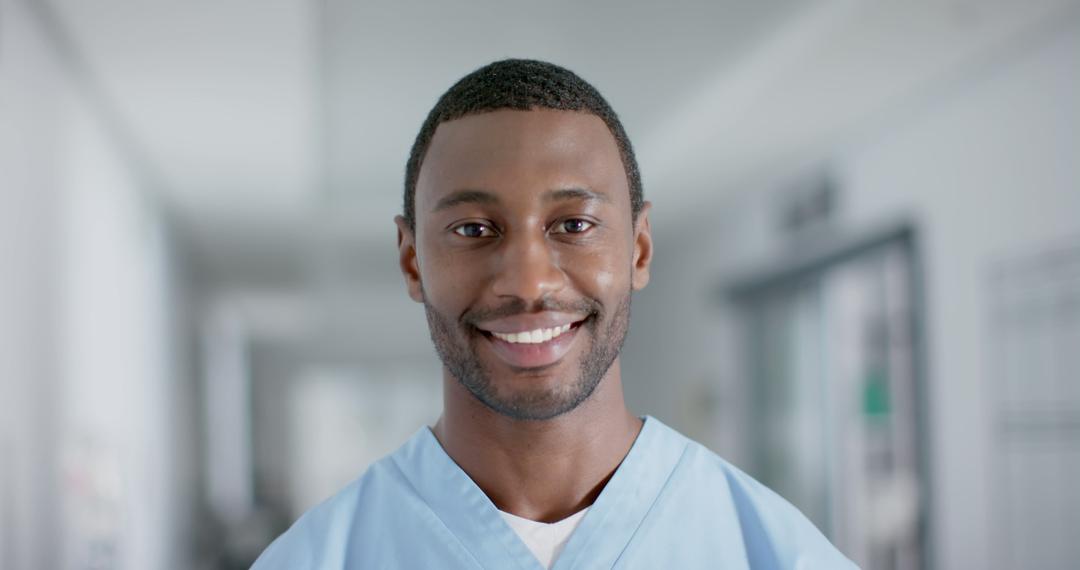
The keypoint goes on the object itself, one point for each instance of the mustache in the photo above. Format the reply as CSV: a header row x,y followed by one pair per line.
x,y
588,307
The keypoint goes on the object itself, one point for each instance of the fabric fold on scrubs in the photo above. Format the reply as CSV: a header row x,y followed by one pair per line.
x,y
670,504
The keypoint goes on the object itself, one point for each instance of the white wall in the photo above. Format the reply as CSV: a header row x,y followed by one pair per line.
x,y
115,414
96,423
988,170
30,97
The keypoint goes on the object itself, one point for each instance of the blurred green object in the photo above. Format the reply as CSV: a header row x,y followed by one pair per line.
x,y
875,401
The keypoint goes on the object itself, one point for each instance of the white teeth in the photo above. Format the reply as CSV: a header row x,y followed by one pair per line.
x,y
533,337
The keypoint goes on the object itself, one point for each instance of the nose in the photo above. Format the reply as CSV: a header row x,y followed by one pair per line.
x,y
528,269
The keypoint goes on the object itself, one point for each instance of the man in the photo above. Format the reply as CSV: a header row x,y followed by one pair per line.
x,y
524,234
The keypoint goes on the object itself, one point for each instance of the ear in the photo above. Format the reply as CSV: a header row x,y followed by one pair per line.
x,y
410,269
643,248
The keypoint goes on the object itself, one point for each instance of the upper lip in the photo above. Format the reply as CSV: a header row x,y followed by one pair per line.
x,y
529,322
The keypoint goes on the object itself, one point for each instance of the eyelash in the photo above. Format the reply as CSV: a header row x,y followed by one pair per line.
x,y
561,223
457,229
589,225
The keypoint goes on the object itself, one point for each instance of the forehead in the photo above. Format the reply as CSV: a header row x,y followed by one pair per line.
x,y
520,154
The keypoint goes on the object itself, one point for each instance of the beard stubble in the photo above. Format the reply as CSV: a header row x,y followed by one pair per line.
x,y
456,345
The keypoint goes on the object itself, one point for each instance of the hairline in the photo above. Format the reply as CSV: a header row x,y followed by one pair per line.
x,y
614,139
546,86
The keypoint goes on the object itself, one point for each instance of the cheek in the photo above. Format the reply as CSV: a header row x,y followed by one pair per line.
x,y
601,273
448,280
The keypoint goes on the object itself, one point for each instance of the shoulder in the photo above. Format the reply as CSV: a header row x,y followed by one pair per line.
x,y
774,532
320,537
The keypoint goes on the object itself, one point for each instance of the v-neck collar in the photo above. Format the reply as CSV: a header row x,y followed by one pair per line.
x,y
598,540
618,512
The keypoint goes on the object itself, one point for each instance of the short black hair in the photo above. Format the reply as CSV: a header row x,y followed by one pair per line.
x,y
522,84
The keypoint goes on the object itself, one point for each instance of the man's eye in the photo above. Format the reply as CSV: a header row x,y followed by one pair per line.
x,y
572,226
474,230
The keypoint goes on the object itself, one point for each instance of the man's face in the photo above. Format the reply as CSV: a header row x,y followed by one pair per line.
x,y
525,256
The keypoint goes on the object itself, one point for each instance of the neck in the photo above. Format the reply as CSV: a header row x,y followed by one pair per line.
x,y
543,470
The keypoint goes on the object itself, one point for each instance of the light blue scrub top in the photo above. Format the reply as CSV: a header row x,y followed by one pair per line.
x,y
671,504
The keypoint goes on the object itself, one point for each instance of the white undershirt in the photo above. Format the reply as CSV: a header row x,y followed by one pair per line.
x,y
545,540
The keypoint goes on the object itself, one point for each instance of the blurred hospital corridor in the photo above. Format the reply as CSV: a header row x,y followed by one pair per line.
x,y
865,290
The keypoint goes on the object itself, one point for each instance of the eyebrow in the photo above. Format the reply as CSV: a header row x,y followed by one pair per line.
x,y
485,197
575,194
465,197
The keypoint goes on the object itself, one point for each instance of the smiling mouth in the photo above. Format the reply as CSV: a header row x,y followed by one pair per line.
x,y
538,348
536,336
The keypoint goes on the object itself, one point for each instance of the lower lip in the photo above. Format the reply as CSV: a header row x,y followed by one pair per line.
x,y
522,355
